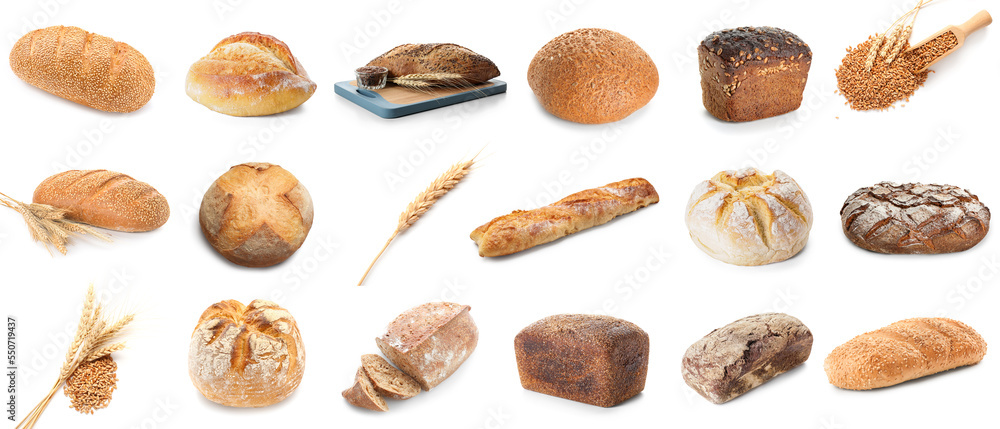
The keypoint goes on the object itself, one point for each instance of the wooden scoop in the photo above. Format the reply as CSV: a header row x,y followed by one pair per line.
x,y
978,21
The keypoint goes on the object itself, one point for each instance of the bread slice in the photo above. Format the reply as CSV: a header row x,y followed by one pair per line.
x,y
388,381
362,394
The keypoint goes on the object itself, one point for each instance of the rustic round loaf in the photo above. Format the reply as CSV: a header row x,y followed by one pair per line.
x,y
84,68
592,76
246,356
914,218
105,199
256,214
746,217
249,74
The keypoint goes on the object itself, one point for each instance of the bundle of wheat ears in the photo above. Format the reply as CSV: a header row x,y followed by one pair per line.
x,y
97,335
424,201
430,80
49,225
890,43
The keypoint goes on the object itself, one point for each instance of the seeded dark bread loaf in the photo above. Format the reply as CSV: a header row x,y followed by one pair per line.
x,y
744,354
363,394
597,360
388,381
84,68
249,74
592,76
437,58
430,341
750,73
105,199
902,351
914,218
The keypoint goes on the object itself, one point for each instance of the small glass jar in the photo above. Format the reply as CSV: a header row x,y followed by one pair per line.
x,y
371,77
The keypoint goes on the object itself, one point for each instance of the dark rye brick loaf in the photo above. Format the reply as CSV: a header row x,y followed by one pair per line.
x,y
744,354
750,73
597,360
914,218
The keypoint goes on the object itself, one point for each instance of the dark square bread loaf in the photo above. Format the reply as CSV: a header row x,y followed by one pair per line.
x,y
750,73
597,360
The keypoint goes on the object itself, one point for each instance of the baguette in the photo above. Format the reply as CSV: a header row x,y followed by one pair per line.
x,y
437,58
902,351
522,229
105,199
84,68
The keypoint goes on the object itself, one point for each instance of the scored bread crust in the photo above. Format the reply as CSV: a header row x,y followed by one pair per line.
x,y
363,393
105,199
389,381
902,351
256,214
746,217
523,229
592,76
428,58
249,74
246,356
84,68
914,218
429,342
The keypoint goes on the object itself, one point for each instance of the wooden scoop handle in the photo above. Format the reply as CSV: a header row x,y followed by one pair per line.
x,y
977,22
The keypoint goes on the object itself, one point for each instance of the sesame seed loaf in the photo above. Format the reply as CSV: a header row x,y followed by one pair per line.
x,y
84,68
249,74
246,356
597,360
105,199
742,355
902,351
914,218
434,58
592,76
430,341
750,73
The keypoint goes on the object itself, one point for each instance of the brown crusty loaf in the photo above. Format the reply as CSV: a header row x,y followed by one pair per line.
x,y
437,58
747,217
750,73
742,355
246,356
388,381
363,394
430,341
249,74
84,68
523,229
256,214
105,199
914,218
902,351
592,76
597,360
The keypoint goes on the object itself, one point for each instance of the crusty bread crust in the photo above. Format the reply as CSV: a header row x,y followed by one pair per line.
x,y
363,394
426,58
429,342
85,68
522,229
105,199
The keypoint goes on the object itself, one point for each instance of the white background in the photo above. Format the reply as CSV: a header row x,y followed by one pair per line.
x,y
344,154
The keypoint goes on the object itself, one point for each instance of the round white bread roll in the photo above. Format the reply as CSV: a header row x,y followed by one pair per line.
x,y
746,217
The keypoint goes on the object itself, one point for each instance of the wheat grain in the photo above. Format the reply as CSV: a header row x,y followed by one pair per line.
x,y
424,201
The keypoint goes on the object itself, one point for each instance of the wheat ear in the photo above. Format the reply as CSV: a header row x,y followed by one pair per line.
x,y
424,80
423,202
49,225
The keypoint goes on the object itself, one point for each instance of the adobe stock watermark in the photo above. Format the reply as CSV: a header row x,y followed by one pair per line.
x,y
308,261
580,161
781,301
496,418
815,98
925,158
364,34
43,16
686,56
960,294
225,8
559,14
634,280
161,411
54,350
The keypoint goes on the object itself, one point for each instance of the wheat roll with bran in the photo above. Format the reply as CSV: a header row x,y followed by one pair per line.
x,y
249,74
592,76
903,351
84,68
104,199
246,356
430,342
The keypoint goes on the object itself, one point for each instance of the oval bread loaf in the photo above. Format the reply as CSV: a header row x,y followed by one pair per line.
x,y
902,351
437,59
430,341
592,76
105,199
85,68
